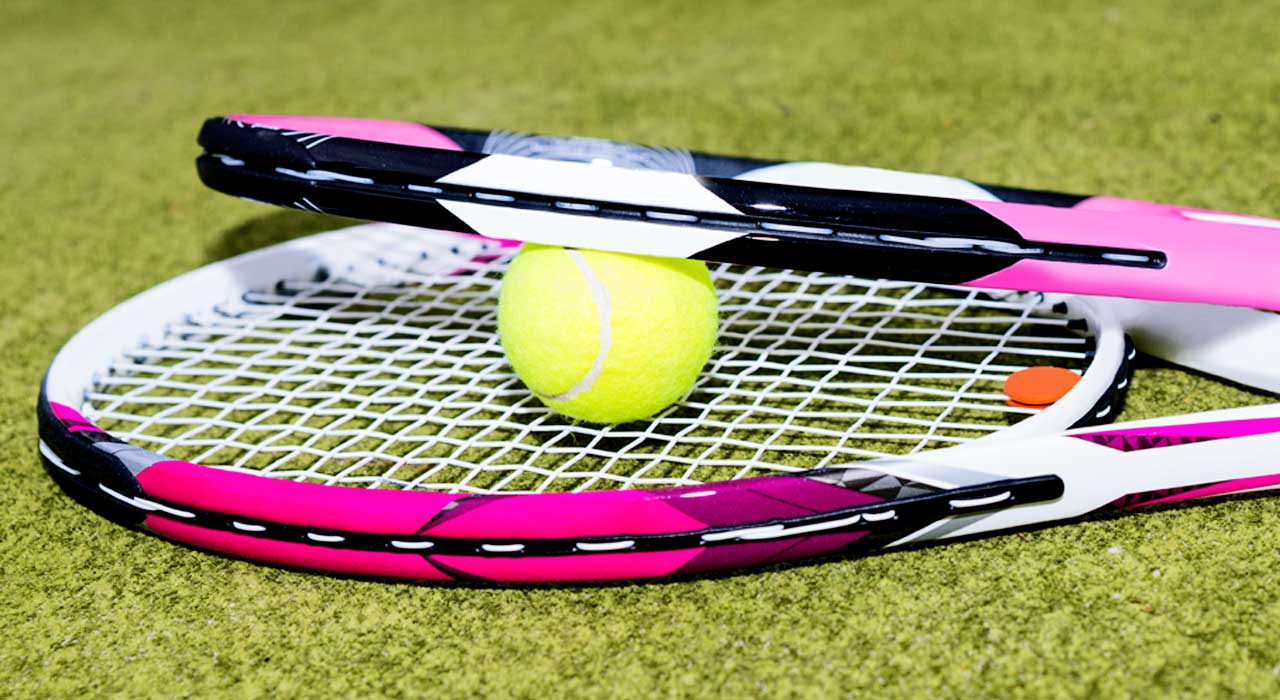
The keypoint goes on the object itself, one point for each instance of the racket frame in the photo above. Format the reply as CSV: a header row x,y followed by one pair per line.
x,y
132,485
1010,239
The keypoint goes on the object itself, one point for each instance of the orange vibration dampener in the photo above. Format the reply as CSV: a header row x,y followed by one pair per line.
x,y
1039,387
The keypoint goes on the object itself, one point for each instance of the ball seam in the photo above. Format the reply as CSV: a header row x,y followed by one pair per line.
x,y
600,296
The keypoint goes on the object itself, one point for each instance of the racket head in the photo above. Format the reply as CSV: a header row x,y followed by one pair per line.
x,y
642,207
217,436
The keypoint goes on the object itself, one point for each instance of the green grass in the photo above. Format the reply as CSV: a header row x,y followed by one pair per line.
x,y
1166,101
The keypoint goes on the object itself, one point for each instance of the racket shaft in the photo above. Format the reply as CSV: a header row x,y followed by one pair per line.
x,y
1126,465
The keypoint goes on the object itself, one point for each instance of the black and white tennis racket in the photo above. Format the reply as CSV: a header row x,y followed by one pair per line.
x,y
807,216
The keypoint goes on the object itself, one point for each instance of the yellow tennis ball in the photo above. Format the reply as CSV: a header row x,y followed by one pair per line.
x,y
606,337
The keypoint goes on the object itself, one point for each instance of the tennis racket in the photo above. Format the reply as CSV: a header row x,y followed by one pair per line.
x,y
804,216
340,403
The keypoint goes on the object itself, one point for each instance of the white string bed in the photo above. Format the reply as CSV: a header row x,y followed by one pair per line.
x,y
388,374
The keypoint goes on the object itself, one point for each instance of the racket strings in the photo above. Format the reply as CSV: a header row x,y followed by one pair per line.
x,y
386,373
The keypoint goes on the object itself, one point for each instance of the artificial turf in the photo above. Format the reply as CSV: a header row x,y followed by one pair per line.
x,y
1165,101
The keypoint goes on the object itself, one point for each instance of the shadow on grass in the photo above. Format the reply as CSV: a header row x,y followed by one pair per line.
x,y
270,229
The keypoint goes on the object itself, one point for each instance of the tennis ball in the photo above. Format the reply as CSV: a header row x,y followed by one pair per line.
x,y
606,337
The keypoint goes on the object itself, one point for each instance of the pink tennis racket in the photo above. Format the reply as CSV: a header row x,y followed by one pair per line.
x,y
340,403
